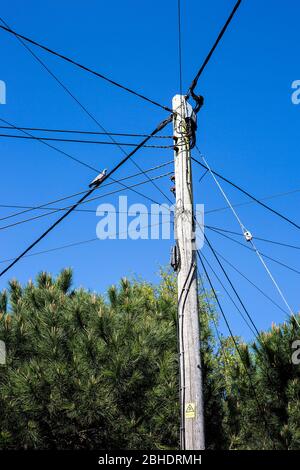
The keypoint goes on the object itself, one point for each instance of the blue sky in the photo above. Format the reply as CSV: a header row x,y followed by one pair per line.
x,y
248,130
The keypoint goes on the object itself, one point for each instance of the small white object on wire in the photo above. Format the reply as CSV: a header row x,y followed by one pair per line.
x,y
249,238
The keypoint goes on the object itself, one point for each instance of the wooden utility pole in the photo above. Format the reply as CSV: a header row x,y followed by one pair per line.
x,y
191,393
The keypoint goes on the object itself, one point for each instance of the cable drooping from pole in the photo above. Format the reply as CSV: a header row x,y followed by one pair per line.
x,y
78,243
68,155
82,107
274,242
259,406
83,67
224,352
229,280
262,352
64,209
280,263
45,205
81,141
85,196
74,131
71,157
248,194
230,297
193,85
179,44
247,203
248,237
251,282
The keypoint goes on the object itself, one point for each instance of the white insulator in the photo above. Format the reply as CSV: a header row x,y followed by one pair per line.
x,y
248,235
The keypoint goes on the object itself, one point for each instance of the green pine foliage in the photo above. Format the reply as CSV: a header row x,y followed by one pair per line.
x,y
264,413
86,371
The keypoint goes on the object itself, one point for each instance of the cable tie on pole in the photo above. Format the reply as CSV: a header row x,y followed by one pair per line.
x,y
199,99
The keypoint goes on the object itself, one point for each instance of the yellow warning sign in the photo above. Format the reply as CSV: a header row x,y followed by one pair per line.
x,y
190,410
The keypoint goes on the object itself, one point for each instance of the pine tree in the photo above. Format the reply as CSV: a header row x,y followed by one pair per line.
x,y
87,371
90,371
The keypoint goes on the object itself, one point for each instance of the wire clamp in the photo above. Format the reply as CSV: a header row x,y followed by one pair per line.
x,y
175,258
248,235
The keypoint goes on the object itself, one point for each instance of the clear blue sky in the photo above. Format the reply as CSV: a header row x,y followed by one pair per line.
x,y
248,129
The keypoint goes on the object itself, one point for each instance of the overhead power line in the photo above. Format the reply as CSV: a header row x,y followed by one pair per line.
x,y
68,155
247,203
229,296
62,209
212,313
251,282
259,406
248,237
251,249
62,152
64,198
160,126
74,131
50,250
78,243
286,245
80,104
231,283
179,44
83,67
227,276
208,57
262,353
81,141
258,201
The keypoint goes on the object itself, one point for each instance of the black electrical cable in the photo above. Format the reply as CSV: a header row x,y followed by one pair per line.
x,y
208,57
179,44
81,141
71,157
249,195
251,282
231,284
251,249
83,67
203,176
44,206
232,300
80,161
259,406
55,77
286,245
90,211
50,250
83,108
247,203
258,337
73,131
85,196
69,245
62,209
225,358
